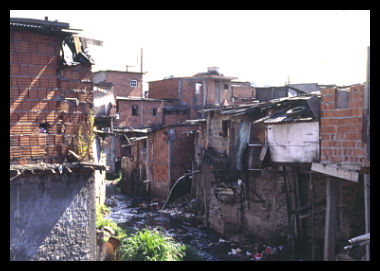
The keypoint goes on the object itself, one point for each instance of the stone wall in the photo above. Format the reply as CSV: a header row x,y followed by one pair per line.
x,y
52,217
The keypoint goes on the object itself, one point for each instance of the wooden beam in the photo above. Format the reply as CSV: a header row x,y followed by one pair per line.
x,y
330,221
348,175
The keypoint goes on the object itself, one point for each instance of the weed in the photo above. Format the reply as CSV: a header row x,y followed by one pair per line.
x,y
85,138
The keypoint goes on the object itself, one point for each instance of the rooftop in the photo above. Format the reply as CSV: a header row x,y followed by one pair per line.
x,y
43,25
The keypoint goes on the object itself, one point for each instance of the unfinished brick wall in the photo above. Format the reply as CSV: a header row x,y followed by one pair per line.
x,y
175,116
341,127
158,163
183,151
243,92
144,117
164,89
122,82
36,79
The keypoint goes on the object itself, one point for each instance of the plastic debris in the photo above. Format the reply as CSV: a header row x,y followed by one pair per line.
x,y
268,250
258,256
248,253
234,251
274,251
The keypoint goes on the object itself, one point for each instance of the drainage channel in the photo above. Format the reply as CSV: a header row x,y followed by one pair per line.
x,y
210,246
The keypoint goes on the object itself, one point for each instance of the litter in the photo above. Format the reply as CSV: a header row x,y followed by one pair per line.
x,y
258,256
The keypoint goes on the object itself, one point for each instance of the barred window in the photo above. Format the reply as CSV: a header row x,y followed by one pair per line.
x,y
133,83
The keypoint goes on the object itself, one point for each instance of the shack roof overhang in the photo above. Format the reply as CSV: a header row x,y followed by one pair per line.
x,y
42,25
43,168
288,109
131,98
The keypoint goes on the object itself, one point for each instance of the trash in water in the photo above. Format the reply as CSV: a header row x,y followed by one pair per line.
x,y
274,251
234,251
258,256
280,247
248,253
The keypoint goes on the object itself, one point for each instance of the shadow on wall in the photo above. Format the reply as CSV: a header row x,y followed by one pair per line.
x,y
50,217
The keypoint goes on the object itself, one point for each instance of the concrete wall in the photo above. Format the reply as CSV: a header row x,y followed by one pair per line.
x,y
52,217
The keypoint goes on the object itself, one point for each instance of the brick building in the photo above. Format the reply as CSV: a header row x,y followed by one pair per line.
x,y
50,90
139,112
157,158
125,83
52,197
196,92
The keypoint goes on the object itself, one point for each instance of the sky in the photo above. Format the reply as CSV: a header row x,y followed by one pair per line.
x,y
266,47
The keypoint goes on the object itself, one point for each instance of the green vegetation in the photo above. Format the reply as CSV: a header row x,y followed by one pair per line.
x,y
151,246
146,245
85,137
101,222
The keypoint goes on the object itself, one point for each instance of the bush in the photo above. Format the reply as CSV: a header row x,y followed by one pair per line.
x,y
151,246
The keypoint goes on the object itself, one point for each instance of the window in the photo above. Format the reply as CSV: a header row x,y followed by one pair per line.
x,y
225,126
135,110
133,83
44,128
225,86
154,111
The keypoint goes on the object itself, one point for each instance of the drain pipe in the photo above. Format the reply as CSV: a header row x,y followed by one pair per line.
x,y
176,182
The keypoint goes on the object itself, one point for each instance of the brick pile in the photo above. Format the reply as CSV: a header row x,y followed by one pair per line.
x,y
42,126
341,129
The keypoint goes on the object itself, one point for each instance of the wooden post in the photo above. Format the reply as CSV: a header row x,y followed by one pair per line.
x,y
313,216
330,221
367,154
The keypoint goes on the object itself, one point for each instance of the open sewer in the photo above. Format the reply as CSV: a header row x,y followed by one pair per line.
x,y
172,221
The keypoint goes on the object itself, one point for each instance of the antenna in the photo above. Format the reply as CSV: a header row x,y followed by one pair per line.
x,y
141,63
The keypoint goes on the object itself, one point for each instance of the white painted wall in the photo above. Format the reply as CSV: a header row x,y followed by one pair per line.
x,y
293,142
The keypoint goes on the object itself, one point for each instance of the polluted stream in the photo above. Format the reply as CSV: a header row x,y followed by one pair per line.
x,y
137,214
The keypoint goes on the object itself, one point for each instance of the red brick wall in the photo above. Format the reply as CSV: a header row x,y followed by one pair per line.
x,y
34,82
164,89
183,151
158,157
144,110
243,92
175,117
341,129
121,82
158,162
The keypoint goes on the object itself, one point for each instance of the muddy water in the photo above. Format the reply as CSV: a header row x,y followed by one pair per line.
x,y
172,221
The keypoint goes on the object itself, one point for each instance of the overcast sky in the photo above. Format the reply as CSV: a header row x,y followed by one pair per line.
x,y
265,47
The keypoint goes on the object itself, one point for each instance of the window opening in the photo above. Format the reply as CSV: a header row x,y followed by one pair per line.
x,y
135,110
